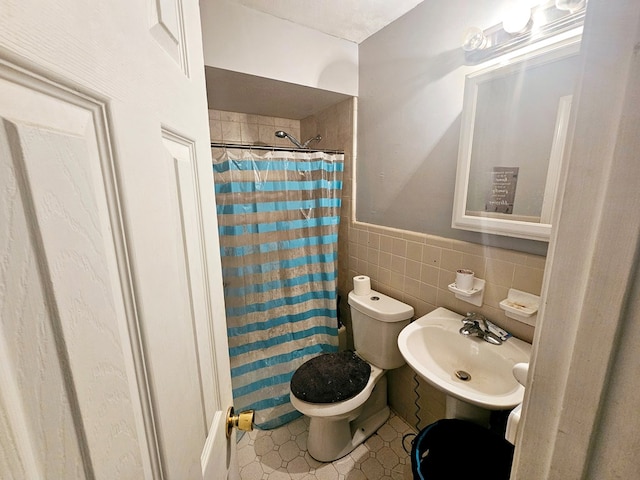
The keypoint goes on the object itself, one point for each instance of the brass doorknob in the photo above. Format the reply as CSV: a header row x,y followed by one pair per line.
x,y
243,421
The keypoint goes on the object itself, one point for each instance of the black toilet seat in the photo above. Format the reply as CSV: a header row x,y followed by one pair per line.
x,y
330,378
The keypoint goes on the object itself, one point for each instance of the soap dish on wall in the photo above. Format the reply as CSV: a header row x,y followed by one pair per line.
x,y
473,296
521,306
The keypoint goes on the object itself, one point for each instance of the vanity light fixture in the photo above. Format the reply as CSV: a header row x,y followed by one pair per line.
x,y
524,23
570,5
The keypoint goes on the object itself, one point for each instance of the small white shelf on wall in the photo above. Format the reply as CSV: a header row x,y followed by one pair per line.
x,y
521,306
475,296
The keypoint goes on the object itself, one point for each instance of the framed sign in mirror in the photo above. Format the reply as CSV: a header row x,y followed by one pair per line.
x,y
514,127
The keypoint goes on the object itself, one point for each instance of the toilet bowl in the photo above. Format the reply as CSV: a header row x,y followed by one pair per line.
x,y
344,417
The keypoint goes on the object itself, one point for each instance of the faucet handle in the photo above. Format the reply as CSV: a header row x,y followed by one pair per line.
x,y
472,317
470,322
477,324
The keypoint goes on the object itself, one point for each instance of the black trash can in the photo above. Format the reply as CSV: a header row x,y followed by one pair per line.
x,y
455,449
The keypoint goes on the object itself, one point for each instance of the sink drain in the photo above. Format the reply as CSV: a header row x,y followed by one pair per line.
x,y
462,375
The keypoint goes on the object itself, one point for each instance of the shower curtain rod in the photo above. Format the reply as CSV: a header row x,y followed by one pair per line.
x,y
273,148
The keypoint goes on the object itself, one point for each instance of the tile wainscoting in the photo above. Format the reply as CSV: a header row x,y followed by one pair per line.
x,y
416,269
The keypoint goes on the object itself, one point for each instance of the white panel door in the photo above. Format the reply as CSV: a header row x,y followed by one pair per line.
x,y
113,351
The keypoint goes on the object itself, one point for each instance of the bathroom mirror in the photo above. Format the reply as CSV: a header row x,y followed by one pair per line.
x,y
514,126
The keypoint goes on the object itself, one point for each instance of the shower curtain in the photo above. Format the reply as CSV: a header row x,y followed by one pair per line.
x,y
278,215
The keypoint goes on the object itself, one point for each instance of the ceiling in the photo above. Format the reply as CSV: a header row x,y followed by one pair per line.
x,y
352,20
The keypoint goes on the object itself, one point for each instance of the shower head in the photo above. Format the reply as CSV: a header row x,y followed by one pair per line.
x,y
282,134
292,139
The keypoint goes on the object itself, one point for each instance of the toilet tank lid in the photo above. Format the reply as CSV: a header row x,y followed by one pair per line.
x,y
381,307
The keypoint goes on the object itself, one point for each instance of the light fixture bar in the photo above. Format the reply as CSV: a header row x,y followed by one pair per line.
x,y
499,42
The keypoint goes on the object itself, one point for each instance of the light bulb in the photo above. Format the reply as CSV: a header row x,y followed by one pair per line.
x,y
516,18
474,39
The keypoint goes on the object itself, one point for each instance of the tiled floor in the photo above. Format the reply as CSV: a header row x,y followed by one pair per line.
x,y
281,454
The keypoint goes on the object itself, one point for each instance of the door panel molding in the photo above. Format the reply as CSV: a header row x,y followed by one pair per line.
x,y
81,133
182,150
168,30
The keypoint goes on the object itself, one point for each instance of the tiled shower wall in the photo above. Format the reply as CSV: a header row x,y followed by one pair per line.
x,y
232,127
336,125
412,267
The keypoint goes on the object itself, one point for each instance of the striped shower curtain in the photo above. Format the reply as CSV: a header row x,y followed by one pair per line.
x,y
278,215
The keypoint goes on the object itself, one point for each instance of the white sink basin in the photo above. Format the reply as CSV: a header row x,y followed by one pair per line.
x,y
434,348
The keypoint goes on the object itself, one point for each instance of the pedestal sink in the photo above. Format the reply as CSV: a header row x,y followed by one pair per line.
x,y
476,375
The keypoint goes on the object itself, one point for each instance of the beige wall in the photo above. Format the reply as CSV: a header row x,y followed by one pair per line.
x,y
412,267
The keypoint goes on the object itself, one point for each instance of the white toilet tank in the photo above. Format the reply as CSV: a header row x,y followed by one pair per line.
x,y
377,320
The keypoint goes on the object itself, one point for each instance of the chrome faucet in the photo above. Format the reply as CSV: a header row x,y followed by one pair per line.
x,y
476,325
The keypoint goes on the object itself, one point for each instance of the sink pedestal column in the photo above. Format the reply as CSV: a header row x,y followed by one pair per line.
x,y
465,411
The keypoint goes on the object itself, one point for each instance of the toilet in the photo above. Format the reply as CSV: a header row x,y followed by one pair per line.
x,y
345,393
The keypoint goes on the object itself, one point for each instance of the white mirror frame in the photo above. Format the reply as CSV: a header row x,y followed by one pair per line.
x,y
499,226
